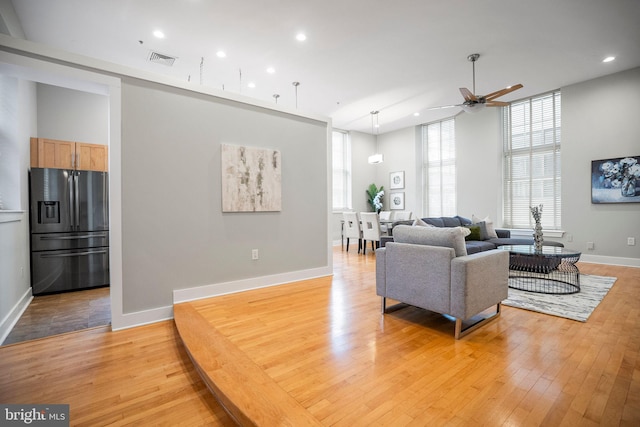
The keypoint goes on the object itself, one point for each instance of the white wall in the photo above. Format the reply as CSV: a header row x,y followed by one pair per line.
x,y
72,115
15,281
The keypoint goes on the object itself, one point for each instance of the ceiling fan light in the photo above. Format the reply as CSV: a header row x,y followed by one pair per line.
x,y
473,108
376,158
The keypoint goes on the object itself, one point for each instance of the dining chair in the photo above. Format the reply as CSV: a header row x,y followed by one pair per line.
x,y
402,215
370,230
385,217
352,229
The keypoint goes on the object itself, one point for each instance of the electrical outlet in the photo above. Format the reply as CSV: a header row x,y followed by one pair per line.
x,y
631,241
254,254
590,246
569,237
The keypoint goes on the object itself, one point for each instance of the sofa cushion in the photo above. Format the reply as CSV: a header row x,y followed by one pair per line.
x,y
436,222
482,227
475,246
433,236
451,221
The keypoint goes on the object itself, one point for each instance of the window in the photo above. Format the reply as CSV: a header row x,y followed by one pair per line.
x,y
341,154
439,168
531,135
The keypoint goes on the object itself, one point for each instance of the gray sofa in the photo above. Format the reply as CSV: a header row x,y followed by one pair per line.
x,y
428,267
484,243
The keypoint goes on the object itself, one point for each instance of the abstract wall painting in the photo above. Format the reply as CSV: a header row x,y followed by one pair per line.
x,y
616,180
251,179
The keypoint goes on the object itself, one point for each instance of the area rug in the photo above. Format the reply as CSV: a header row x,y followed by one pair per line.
x,y
578,306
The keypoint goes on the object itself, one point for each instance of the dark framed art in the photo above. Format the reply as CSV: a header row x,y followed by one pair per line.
x,y
616,180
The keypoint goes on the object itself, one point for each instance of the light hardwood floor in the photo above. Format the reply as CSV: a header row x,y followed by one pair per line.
x,y
325,343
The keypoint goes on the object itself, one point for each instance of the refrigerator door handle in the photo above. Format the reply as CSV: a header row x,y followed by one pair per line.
x,y
77,204
87,236
72,201
103,251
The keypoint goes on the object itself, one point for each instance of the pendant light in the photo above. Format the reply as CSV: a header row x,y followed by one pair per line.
x,y
377,157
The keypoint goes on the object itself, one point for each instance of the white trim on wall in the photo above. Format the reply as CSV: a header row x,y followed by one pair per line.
x,y
10,320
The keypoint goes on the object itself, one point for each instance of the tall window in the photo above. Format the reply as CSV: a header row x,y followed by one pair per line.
x,y
531,133
341,154
439,168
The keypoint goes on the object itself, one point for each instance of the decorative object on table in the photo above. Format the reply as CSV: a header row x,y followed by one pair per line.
x,y
616,180
578,306
396,180
375,197
251,179
397,200
536,212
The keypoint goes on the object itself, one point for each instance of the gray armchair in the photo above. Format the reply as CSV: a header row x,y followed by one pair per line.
x,y
428,267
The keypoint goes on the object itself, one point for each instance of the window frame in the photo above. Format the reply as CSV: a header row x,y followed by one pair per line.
x,y
341,172
446,159
531,157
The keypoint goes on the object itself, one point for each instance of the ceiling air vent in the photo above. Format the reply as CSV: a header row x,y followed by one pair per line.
x,y
163,59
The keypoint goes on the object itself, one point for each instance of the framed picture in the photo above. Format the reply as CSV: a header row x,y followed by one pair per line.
x,y
396,180
616,180
397,200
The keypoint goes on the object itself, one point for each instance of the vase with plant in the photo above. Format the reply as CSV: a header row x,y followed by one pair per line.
x,y
375,197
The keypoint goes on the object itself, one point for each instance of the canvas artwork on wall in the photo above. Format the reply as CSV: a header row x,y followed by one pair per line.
x,y
616,180
251,179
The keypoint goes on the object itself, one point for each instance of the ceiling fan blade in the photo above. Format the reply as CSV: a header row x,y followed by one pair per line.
x,y
497,104
444,106
468,96
502,92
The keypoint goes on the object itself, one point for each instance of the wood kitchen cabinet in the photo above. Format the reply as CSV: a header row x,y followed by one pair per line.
x,y
52,153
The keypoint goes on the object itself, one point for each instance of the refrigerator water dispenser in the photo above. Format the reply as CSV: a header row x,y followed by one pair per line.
x,y
48,212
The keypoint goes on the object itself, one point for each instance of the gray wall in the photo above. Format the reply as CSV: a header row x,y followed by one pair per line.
x,y
599,121
72,115
175,235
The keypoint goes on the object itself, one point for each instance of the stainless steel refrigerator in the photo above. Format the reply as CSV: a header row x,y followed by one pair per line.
x,y
69,214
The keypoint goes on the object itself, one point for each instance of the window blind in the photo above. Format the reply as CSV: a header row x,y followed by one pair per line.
x,y
531,136
439,168
341,155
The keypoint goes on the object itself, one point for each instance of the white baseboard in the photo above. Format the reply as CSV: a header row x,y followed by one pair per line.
x,y
140,318
216,289
610,260
10,320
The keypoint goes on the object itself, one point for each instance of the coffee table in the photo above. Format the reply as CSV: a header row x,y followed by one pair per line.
x,y
552,270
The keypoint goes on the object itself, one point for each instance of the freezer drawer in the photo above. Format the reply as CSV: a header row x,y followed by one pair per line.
x,y
62,241
59,271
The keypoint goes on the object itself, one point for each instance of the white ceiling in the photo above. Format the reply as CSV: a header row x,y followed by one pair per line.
x,y
398,57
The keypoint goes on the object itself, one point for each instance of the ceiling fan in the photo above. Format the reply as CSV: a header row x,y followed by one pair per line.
x,y
473,103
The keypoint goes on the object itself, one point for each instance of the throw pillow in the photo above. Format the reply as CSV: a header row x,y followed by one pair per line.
x,y
420,223
474,232
491,231
464,230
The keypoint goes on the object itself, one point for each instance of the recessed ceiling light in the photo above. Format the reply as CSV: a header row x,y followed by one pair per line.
x,y
251,85
301,37
609,59
159,34
416,114
271,70
221,54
